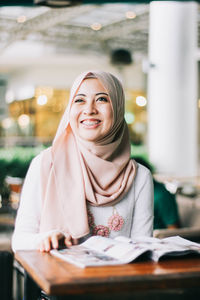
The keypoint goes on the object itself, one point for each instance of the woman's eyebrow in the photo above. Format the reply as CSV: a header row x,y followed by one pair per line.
x,y
102,93
83,95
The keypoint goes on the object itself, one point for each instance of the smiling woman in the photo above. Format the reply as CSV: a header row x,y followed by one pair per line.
x,y
86,183
91,114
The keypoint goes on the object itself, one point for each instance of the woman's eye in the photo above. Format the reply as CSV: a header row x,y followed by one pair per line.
x,y
78,100
102,99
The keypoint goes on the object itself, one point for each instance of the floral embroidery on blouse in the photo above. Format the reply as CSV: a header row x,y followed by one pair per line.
x,y
90,219
115,223
101,230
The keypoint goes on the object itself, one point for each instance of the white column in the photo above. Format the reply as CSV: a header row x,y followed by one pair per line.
x,y
172,87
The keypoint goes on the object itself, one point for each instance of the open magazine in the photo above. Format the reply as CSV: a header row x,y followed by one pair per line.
x,y
102,251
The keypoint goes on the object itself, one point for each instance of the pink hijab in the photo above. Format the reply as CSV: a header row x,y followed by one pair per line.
x,y
75,172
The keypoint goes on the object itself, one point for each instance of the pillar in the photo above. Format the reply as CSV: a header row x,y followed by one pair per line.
x,y
172,87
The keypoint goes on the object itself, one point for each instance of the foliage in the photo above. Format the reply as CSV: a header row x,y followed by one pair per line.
x,y
139,151
15,162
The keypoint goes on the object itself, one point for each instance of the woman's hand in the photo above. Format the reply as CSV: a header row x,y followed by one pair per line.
x,y
52,241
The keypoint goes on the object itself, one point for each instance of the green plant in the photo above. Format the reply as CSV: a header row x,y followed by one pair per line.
x,y
15,162
139,151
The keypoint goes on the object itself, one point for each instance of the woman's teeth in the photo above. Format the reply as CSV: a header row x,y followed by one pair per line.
x,y
90,122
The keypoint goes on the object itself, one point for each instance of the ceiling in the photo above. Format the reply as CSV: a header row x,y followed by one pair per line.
x,y
97,29
79,29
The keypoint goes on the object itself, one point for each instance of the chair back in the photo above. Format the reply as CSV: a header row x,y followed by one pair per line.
x,y
6,275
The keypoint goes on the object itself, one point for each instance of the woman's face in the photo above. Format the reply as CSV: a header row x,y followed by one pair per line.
x,y
91,114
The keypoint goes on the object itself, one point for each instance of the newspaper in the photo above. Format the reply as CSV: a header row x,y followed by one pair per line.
x,y
102,251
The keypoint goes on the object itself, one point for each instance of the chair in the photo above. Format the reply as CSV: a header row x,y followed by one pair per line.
x,y
6,275
189,213
192,234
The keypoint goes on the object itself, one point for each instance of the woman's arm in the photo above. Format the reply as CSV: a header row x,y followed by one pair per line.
x,y
144,201
26,234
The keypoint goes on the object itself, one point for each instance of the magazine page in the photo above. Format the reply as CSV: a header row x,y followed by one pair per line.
x,y
183,242
84,257
174,246
143,239
100,251
156,246
171,246
120,250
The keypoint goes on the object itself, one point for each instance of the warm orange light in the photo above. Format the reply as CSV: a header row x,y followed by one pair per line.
x,y
141,101
21,19
7,123
130,15
23,120
96,26
42,100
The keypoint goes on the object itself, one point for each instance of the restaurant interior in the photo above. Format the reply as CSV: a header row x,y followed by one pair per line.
x,y
43,47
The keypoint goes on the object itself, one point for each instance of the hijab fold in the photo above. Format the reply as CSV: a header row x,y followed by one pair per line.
x,y
75,172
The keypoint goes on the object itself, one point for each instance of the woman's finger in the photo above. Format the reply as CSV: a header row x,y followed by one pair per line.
x,y
41,247
54,240
51,241
68,240
47,244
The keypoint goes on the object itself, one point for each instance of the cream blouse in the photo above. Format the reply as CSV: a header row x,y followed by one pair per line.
x,y
135,210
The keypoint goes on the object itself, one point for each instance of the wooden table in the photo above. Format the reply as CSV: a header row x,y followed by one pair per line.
x,y
57,277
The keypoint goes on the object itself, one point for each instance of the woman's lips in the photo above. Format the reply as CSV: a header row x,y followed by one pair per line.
x,y
90,123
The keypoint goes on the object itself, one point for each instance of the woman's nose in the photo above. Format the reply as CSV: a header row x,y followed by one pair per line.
x,y
90,108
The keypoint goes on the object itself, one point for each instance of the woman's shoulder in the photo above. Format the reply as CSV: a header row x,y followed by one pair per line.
x,y
37,159
141,170
143,176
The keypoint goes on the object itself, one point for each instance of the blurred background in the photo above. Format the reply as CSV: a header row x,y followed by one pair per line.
x,y
152,46
154,49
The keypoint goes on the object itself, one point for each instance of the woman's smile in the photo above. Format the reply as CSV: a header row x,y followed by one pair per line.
x,y
91,123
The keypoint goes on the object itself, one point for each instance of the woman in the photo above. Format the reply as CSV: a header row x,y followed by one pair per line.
x,y
86,182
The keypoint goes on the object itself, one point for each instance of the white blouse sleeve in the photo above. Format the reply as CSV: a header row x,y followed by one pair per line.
x,y
26,235
144,203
